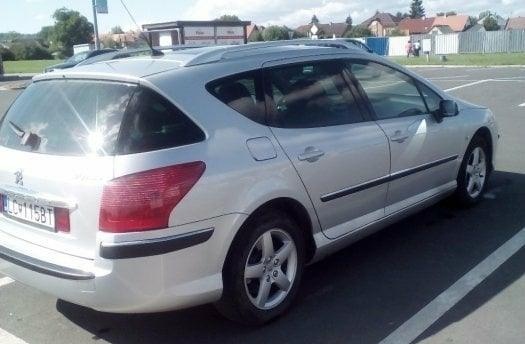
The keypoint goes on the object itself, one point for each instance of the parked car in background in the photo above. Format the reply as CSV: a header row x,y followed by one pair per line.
x,y
216,174
77,58
115,55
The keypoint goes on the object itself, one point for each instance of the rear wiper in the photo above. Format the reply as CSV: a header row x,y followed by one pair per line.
x,y
26,138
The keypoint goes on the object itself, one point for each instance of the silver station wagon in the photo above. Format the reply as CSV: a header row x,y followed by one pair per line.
x,y
214,175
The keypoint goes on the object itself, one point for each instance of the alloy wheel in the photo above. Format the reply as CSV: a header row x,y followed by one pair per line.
x,y
270,269
476,172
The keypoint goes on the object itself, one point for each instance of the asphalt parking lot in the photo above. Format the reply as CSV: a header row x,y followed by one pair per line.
x,y
442,276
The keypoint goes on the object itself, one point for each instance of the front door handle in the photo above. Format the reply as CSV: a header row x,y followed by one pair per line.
x,y
311,154
399,137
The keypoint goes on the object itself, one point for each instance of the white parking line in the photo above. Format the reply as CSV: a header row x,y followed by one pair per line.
x,y
423,319
8,338
522,105
467,85
448,77
5,281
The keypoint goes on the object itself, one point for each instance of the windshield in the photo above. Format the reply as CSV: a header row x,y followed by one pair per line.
x,y
67,117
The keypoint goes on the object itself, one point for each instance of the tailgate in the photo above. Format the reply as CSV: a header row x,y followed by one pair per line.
x,y
49,182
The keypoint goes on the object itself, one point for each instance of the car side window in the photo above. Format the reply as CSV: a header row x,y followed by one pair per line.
x,y
391,93
153,123
432,99
242,93
311,95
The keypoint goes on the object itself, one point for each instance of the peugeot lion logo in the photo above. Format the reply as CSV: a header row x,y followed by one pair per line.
x,y
19,178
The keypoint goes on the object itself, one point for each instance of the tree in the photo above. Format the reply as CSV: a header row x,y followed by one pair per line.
x,y
228,17
451,13
471,22
108,42
7,54
490,23
71,28
484,14
416,9
298,34
440,14
314,20
400,16
358,31
396,32
275,33
256,37
46,36
30,50
349,21
117,30
11,36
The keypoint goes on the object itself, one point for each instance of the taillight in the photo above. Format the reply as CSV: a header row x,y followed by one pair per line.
x,y
144,201
62,220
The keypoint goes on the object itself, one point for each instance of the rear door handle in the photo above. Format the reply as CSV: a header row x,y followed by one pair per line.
x,y
311,154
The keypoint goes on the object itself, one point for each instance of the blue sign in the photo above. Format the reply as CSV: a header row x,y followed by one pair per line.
x,y
102,6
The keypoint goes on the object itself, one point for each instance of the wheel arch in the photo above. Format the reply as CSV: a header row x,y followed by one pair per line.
x,y
297,212
485,134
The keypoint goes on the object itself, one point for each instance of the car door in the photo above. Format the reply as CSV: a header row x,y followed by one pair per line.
x,y
337,151
424,151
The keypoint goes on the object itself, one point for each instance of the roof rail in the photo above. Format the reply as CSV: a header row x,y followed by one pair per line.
x,y
222,53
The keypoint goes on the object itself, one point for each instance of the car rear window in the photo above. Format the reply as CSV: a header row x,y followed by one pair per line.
x,y
82,117
67,117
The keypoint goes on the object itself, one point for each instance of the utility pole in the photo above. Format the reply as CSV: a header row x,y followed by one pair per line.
x,y
95,24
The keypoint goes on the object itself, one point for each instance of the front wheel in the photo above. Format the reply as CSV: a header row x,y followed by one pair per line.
x,y
473,174
263,270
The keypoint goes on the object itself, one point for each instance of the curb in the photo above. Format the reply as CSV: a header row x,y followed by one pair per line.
x,y
16,77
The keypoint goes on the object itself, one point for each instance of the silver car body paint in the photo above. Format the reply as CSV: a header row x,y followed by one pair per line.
x,y
247,165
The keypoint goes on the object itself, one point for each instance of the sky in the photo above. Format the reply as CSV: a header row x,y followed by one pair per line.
x,y
28,16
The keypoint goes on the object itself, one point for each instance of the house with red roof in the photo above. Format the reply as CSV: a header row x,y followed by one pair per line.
x,y
456,23
517,23
381,24
332,30
416,26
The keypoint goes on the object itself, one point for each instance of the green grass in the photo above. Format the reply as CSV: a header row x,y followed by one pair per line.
x,y
466,60
36,66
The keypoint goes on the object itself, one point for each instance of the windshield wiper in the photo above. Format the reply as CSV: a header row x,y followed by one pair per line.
x,y
26,138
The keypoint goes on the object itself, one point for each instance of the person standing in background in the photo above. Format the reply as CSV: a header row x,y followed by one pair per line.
x,y
417,48
409,48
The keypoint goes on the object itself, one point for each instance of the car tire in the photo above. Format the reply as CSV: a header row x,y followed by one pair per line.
x,y
261,277
474,173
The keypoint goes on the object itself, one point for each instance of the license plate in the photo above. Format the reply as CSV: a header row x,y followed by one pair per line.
x,y
29,212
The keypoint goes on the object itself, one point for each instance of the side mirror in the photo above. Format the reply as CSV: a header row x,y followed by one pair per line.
x,y
447,108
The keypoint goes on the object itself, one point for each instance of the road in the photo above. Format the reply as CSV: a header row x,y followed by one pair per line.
x,y
394,283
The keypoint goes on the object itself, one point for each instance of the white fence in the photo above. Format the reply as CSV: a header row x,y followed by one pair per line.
x,y
512,41
396,46
477,42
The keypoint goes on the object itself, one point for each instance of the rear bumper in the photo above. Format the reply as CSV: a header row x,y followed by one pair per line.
x,y
43,267
131,275
154,247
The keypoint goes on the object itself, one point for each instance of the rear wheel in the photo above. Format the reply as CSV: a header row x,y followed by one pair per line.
x,y
474,173
263,270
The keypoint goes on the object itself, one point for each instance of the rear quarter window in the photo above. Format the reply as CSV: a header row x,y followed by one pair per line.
x,y
243,93
153,123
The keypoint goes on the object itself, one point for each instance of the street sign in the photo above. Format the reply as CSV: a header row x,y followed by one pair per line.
x,y
102,6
